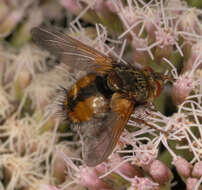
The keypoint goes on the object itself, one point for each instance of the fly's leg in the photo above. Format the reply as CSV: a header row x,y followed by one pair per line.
x,y
141,121
141,113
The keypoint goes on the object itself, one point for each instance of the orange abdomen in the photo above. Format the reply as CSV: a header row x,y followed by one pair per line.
x,y
86,98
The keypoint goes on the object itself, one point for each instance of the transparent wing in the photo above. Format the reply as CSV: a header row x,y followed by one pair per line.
x,y
71,51
101,135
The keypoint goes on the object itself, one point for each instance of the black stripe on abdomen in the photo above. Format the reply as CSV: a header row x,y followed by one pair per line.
x,y
99,85
102,87
83,94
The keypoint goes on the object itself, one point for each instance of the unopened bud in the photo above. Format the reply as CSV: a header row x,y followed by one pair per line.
x,y
182,88
197,170
160,172
183,167
191,183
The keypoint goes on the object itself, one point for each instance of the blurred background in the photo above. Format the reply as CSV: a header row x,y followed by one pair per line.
x,y
39,151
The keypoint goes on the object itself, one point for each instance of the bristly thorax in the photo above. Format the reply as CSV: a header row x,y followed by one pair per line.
x,y
129,81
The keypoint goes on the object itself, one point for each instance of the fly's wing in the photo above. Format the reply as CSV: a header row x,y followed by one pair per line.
x,y
101,134
71,51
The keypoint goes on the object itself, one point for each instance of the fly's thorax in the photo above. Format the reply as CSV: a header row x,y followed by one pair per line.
x,y
129,81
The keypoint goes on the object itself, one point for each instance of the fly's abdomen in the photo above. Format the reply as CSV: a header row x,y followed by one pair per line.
x,y
84,100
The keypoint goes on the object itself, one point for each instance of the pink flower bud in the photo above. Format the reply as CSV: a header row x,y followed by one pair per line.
x,y
152,19
101,168
182,88
183,167
126,168
131,16
195,55
188,21
141,57
99,5
130,170
59,169
4,10
90,179
72,6
111,6
165,37
143,183
163,52
24,78
191,183
197,170
160,172
146,155
10,22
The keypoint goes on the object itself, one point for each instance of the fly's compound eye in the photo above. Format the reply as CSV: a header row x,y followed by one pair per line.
x,y
158,88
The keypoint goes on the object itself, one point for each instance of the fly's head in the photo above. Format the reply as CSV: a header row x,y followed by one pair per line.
x,y
155,82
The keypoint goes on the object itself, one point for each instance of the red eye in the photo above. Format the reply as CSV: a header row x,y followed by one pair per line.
x,y
159,88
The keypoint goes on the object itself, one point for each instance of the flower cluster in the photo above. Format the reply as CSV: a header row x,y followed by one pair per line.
x,y
40,151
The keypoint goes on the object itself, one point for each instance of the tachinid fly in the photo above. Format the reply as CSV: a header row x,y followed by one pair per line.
x,y
101,102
